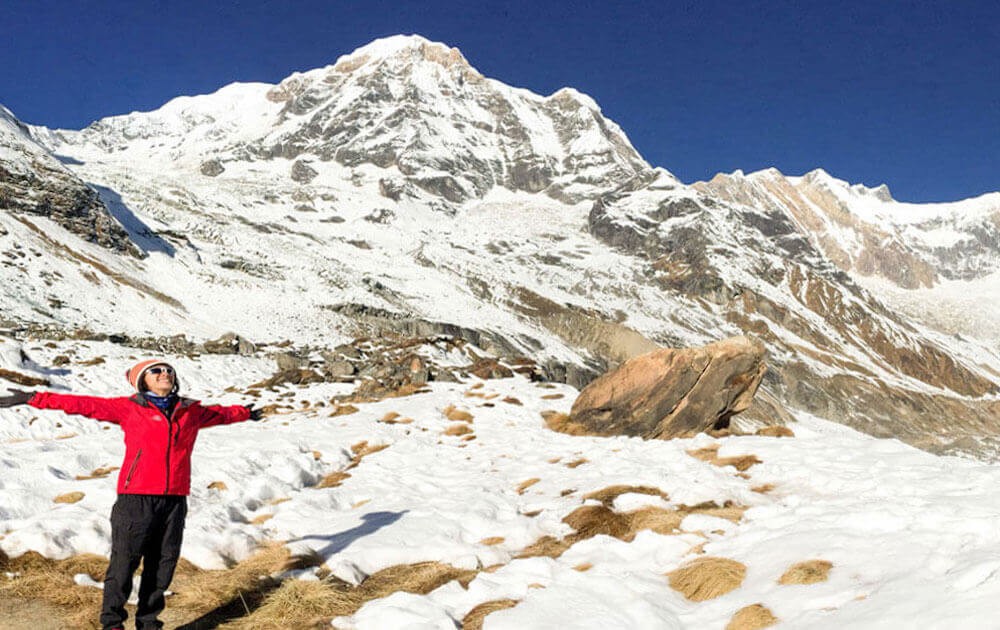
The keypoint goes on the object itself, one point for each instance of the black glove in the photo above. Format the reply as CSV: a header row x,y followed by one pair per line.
x,y
16,397
255,414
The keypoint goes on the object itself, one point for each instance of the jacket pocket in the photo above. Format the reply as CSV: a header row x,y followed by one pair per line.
x,y
131,469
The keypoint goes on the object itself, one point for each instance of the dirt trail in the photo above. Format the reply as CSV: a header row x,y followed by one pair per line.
x,y
29,614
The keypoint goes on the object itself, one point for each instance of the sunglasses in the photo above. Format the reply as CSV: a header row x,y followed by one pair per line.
x,y
161,370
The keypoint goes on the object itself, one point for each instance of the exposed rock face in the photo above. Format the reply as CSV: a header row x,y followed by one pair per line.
x,y
212,168
671,393
32,181
740,249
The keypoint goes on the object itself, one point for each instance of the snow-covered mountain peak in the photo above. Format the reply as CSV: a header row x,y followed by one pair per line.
x,y
410,47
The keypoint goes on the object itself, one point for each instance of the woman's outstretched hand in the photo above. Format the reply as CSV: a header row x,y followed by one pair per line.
x,y
16,397
255,414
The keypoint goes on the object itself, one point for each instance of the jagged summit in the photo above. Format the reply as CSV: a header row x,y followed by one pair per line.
x,y
402,102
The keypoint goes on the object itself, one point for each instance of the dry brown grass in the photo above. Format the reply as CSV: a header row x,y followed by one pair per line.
x,y
363,449
706,578
710,454
23,379
583,566
776,431
69,497
343,410
295,604
577,462
608,495
510,400
763,488
548,547
302,604
552,396
199,592
594,520
458,415
360,450
527,483
98,473
218,485
51,582
752,617
808,572
492,540
389,418
474,619
260,519
458,429
563,423
333,479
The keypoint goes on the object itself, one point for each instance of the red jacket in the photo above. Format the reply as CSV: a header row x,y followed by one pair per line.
x,y
157,448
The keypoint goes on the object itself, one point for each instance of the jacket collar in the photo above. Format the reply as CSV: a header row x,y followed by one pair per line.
x,y
182,402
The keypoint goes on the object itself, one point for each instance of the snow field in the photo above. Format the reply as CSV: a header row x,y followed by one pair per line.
x,y
909,535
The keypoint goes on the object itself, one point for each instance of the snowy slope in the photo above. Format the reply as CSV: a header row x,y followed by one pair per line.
x,y
908,534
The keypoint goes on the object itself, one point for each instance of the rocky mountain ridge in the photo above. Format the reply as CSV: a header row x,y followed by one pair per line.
x,y
400,190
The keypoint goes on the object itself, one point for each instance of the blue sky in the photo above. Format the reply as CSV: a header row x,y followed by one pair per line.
x,y
903,93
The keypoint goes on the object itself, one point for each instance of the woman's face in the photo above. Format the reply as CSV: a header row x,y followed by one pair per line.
x,y
159,379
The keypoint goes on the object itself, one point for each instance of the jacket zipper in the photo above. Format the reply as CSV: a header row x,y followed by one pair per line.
x,y
131,469
170,440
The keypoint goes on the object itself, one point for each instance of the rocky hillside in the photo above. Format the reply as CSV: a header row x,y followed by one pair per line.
x,y
33,182
400,190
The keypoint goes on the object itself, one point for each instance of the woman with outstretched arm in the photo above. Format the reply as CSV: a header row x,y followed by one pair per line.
x,y
147,520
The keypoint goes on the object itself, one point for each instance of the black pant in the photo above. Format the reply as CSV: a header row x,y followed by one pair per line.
x,y
148,528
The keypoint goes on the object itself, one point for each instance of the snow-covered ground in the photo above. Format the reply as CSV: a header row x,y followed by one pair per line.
x,y
911,537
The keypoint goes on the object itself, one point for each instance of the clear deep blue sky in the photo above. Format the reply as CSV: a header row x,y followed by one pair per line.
x,y
905,93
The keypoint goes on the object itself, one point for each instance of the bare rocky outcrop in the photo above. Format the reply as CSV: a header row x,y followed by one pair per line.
x,y
671,393
32,181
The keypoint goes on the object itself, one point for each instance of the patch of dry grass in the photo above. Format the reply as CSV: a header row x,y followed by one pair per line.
x,y
218,485
343,410
763,488
475,618
752,617
492,540
577,462
710,454
51,581
706,578
563,423
583,566
98,473
608,495
23,379
775,431
510,400
458,429
333,479
527,483
594,520
808,572
295,604
458,415
200,592
303,604
69,497
360,450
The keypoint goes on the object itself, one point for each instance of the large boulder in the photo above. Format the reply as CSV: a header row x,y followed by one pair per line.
x,y
671,393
